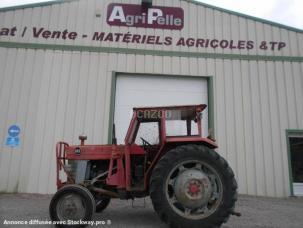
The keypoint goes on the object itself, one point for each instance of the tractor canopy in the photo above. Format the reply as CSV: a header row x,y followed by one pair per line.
x,y
185,112
164,123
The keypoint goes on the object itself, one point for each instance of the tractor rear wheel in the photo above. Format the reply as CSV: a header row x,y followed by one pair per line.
x,y
72,203
193,186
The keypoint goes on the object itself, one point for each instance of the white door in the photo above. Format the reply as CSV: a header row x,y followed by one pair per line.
x,y
296,152
143,90
298,189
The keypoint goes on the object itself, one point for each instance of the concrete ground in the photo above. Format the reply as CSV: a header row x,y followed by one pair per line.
x,y
256,212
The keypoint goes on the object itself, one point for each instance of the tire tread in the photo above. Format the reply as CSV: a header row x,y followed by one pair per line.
x,y
178,154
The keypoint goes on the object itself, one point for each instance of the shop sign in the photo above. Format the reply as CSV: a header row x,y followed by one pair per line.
x,y
131,15
201,43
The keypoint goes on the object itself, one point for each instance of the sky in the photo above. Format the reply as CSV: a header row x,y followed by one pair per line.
x,y
287,12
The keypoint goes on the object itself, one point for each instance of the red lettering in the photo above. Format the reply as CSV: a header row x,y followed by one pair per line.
x,y
143,39
190,42
13,31
273,45
200,43
118,36
181,42
168,41
36,32
224,44
136,39
72,36
241,44
231,45
250,45
281,45
158,41
109,37
56,34
207,43
64,34
151,40
99,36
214,43
126,38
46,34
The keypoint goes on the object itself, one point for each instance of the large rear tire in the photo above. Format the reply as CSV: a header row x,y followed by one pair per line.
x,y
72,203
192,186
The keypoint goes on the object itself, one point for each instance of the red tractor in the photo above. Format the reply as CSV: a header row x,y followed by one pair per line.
x,y
190,185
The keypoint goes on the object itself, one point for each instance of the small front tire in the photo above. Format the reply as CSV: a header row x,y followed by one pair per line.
x,y
72,203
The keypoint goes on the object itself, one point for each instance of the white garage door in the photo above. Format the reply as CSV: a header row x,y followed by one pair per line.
x,y
142,90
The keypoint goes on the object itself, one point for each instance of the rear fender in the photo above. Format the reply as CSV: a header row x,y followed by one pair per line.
x,y
191,140
173,142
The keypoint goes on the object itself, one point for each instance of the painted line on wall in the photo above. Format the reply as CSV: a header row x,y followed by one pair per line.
x,y
150,52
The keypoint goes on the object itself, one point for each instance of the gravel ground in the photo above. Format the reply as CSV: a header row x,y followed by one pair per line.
x,y
256,212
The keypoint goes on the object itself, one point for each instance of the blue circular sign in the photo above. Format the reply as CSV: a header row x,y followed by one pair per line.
x,y
13,131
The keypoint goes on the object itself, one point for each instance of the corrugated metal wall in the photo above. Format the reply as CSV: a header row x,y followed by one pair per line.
x,y
57,95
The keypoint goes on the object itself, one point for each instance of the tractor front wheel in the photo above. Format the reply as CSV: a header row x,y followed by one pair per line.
x,y
71,205
192,186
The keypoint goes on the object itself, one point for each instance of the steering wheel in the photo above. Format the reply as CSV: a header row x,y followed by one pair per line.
x,y
145,143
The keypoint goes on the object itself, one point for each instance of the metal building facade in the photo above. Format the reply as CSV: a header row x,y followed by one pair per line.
x,y
57,89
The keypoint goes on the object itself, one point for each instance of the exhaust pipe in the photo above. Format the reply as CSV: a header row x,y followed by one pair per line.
x,y
105,192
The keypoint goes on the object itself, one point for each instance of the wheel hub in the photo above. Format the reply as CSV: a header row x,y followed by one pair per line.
x,y
193,188
70,207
